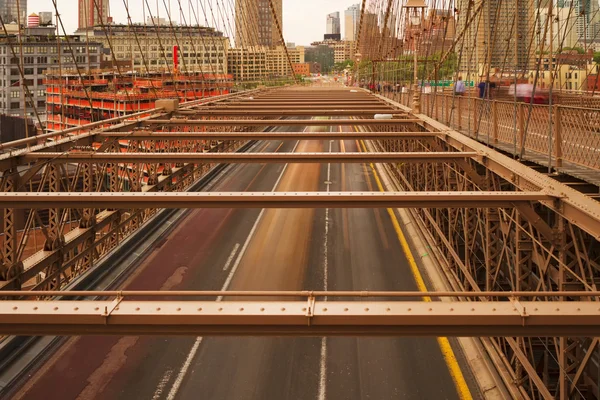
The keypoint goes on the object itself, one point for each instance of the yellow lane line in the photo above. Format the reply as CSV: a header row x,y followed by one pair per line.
x,y
455,372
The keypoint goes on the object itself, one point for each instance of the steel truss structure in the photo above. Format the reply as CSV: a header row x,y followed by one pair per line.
x,y
495,226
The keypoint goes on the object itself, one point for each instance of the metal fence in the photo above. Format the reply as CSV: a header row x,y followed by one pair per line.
x,y
550,135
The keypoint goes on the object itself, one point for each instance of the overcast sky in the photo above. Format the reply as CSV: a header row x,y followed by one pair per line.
x,y
303,20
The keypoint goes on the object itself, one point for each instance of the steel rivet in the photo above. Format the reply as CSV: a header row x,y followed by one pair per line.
x,y
200,309
76,308
579,309
472,309
535,309
55,308
116,308
304,309
35,308
178,309
345,309
366,309
283,309
493,309
388,309
220,309
158,309
242,309
558,309
96,309
410,309
137,309
431,309
452,309
15,308
262,309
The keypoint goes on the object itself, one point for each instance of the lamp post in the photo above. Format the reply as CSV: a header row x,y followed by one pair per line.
x,y
414,11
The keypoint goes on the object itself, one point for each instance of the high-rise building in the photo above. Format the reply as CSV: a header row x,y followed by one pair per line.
x,y
92,13
333,23
494,38
370,36
202,49
255,23
13,11
351,20
42,53
45,17
587,22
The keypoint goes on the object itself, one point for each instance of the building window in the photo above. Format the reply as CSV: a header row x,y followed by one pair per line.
x,y
15,94
28,71
15,106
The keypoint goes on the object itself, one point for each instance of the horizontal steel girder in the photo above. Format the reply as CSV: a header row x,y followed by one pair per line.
x,y
298,103
305,107
300,318
141,135
198,158
278,122
37,200
317,112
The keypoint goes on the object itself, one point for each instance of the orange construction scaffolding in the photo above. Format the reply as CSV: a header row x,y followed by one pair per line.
x,y
78,99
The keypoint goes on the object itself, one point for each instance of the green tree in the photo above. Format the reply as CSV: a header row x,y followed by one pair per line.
x,y
579,50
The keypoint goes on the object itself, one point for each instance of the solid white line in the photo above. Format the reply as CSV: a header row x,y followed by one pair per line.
x,y
184,369
323,361
230,259
196,346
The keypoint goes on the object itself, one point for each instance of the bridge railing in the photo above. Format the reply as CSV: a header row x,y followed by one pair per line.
x,y
558,136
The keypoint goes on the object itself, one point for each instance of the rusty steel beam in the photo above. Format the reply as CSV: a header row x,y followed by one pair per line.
x,y
38,200
198,158
299,318
265,103
278,122
145,135
307,107
332,112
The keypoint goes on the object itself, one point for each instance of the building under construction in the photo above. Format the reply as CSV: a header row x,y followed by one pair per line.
x,y
75,99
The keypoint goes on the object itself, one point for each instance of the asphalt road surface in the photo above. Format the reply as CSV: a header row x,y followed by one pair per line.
x,y
239,249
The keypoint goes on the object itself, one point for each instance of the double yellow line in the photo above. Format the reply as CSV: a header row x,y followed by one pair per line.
x,y
455,372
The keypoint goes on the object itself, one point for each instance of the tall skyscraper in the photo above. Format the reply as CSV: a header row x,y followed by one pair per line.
x,y
9,10
351,21
92,12
495,39
587,22
255,25
333,23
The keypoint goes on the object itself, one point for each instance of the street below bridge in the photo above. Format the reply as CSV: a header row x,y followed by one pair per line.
x,y
271,249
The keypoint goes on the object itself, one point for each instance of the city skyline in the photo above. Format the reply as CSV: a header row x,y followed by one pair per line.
x,y
302,21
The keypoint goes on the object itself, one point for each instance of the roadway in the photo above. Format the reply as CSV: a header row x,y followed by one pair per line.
x,y
291,249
